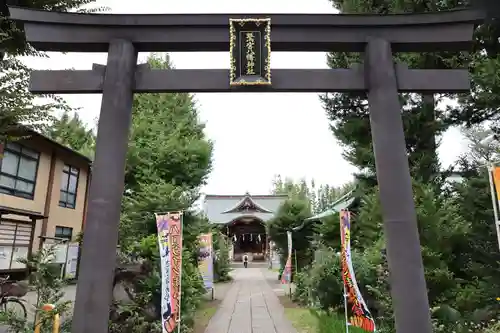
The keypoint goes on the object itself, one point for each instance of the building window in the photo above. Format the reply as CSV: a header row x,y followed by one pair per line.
x,y
64,232
69,184
18,171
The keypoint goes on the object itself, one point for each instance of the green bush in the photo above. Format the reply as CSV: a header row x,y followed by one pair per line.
x,y
447,319
302,294
320,284
326,280
222,266
289,215
49,290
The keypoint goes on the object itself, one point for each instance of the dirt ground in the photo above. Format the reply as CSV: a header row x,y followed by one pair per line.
x,y
204,314
209,306
287,302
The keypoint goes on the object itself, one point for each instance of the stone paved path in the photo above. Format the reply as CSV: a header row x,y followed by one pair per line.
x,y
250,306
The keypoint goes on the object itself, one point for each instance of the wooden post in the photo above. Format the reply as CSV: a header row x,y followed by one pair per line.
x,y
100,237
14,245
408,287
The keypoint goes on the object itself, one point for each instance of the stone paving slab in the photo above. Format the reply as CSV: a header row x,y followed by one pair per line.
x,y
250,306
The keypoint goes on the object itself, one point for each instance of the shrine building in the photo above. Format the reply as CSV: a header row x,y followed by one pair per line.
x,y
243,219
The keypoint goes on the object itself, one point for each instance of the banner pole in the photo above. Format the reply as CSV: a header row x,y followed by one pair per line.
x,y
180,274
345,310
212,260
494,201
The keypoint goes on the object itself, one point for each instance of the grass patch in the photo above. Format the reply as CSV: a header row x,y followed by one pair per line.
x,y
204,314
332,323
309,321
305,321
302,319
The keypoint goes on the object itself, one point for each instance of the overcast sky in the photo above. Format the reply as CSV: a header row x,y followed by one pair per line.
x,y
256,135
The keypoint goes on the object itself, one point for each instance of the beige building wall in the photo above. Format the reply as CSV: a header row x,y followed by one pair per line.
x,y
41,186
46,198
62,216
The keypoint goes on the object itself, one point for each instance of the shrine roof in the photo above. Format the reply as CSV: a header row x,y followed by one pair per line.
x,y
222,209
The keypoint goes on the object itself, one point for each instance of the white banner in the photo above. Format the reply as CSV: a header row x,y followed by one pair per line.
x,y
289,238
72,261
286,276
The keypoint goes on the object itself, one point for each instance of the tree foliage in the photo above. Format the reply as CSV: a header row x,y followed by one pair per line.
x,y
300,190
480,153
13,41
166,133
222,264
319,197
18,105
70,131
424,122
291,214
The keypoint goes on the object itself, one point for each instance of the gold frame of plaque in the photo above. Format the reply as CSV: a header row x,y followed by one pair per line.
x,y
250,51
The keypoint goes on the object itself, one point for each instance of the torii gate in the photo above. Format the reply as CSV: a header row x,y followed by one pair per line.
x,y
123,36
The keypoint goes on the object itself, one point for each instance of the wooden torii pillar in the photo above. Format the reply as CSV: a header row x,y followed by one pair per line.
x,y
122,36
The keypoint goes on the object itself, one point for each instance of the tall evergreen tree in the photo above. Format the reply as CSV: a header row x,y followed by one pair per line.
x,y
319,198
294,189
481,153
423,121
72,132
168,158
